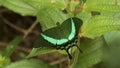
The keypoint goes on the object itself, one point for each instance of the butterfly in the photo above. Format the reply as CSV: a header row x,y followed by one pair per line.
x,y
62,37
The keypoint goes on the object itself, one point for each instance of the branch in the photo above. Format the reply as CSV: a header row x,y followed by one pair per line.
x,y
13,26
23,49
30,29
59,61
25,32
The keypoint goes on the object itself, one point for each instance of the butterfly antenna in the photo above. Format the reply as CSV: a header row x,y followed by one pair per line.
x,y
79,48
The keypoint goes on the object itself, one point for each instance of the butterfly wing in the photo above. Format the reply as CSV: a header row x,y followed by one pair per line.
x,y
59,34
78,23
54,41
73,30
41,42
71,27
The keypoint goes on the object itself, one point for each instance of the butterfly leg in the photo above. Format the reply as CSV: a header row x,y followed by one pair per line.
x,y
76,41
79,48
67,50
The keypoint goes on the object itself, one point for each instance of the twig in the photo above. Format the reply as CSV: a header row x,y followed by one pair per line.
x,y
3,10
59,61
26,50
25,32
31,28
14,26
2,44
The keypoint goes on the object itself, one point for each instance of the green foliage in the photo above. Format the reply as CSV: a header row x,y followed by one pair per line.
x,y
103,6
112,56
99,25
49,12
5,55
40,4
19,6
12,45
4,61
84,16
48,17
39,51
93,53
32,63
30,7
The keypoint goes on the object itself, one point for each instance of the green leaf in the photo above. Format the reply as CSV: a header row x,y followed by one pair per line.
x,y
112,56
102,6
84,16
4,61
112,38
1,52
19,6
48,17
39,4
12,45
32,63
99,25
40,51
90,2
31,7
92,53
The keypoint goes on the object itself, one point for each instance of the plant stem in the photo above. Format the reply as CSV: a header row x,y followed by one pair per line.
x,y
25,32
13,26
26,50
31,28
59,61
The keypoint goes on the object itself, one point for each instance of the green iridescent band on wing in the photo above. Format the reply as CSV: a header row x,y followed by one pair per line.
x,y
61,41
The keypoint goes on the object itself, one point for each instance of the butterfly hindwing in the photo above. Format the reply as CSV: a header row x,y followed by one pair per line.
x,y
78,23
41,42
54,41
73,30
49,39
